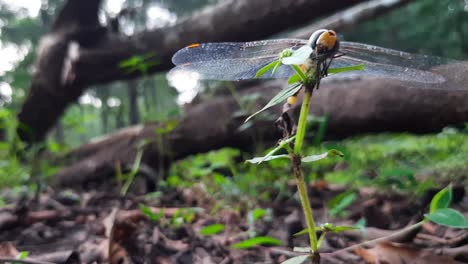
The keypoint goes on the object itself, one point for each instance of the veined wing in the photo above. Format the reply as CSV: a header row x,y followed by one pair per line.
x,y
233,69
233,50
393,64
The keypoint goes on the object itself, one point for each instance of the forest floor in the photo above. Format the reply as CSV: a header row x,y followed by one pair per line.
x,y
220,212
181,227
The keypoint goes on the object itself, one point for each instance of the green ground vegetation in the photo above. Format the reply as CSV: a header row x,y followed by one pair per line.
x,y
399,162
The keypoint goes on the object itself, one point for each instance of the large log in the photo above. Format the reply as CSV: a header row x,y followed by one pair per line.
x,y
65,69
351,107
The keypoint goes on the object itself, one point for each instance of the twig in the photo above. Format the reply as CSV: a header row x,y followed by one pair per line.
x,y
378,240
26,261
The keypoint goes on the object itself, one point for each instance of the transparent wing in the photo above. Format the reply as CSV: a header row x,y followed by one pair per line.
x,y
392,64
237,61
233,50
233,69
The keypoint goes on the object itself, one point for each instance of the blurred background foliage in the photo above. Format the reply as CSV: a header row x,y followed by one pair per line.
x,y
437,27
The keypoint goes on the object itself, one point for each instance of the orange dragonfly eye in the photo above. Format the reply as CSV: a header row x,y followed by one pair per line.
x,y
327,39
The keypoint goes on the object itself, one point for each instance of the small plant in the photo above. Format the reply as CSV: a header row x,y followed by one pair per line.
x,y
138,63
256,241
306,79
150,214
309,63
338,204
440,213
212,229
126,179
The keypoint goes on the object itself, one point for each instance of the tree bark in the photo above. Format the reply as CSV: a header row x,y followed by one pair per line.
x,y
103,94
134,116
61,77
351,17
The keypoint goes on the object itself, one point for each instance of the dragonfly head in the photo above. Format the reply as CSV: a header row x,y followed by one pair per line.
x,y
324,41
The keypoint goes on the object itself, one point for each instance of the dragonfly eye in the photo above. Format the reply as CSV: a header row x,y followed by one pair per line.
x,y
315,36
324,41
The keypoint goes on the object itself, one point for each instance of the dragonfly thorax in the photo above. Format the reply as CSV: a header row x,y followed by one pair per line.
x,y
309,64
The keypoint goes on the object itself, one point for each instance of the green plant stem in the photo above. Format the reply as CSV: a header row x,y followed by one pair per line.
x,y
301,126
301,185
133,172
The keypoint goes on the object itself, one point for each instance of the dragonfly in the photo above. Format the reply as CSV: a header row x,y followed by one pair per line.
x,y
232,61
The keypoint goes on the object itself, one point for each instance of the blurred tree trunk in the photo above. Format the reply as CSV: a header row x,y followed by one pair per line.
x,y
64,71
119,118
134,115
103,94
147,96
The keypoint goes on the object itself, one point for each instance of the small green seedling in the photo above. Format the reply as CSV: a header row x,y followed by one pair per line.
x,y
128,178
150,214
138,63
22,255
337,205
212,229
256,241
440,213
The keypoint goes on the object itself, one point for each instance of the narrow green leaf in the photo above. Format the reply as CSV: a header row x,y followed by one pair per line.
x,y
294,78
441,200
278,63
279,97
266,68
281,145
296,260
299,72
257,213
340,202
22,255
332,152
358,67
212,229
448,217
262,240
259,160
338,229
149,213
305,231
321,238
327,228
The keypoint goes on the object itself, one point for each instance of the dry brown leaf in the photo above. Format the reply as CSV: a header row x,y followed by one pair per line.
x,y
8,250
392,253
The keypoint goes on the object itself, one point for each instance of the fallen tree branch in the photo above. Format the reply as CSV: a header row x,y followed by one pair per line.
x,y
351,17
351,107
79,52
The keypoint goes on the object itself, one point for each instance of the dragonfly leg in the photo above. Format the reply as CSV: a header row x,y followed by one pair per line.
x,y
317,77
338,54
285,124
